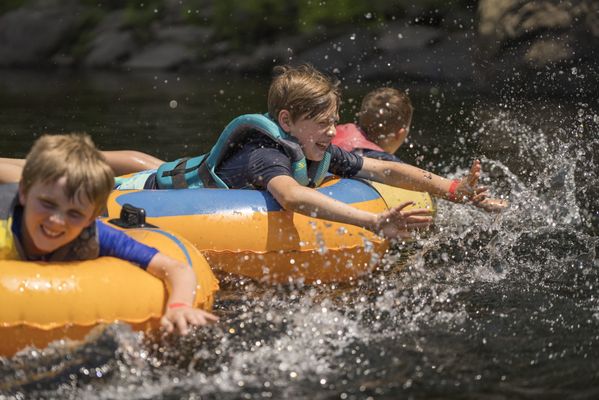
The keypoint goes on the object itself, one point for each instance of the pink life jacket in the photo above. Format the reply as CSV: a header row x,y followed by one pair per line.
x,y
350,137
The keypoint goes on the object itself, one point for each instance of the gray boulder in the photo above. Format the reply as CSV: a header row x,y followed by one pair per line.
x,y
29,37
109,49
160,56
421,53
546,45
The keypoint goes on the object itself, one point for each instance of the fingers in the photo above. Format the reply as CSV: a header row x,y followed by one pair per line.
x,y
474,174
182,319
492,205
210,318
401,206
181,323
166,324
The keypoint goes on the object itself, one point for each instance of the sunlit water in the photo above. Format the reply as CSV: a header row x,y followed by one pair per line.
x,y
486,306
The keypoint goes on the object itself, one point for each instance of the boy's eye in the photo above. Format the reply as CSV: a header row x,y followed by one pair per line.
x,y
47,203
75,214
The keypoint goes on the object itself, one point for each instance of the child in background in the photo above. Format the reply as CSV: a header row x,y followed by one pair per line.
x,y
289,151
51,216
383,126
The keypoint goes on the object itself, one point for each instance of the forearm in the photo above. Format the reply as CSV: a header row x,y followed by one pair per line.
x,y
310,202
405,176
9,172
18,162
128,161
179,278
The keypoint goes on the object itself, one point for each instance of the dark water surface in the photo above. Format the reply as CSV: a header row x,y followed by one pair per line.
x,y
487,306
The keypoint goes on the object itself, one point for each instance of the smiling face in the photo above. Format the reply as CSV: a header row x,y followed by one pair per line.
x,y
50,219
314,135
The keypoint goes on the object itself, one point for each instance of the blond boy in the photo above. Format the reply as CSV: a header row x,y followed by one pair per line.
x,y
51,216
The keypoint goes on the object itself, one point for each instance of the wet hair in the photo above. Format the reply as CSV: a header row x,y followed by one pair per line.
x,y
384,111
304,92
75,157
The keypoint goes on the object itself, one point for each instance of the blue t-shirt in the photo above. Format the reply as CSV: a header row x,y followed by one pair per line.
x,y
253,162
115,243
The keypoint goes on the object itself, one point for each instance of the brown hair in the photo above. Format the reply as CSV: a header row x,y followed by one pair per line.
x,y
304,92
75,157
384,111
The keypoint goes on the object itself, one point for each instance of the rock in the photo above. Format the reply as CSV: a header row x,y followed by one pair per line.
x,y
184,34
109,48
31,36
399,38
160,56
340,54
420,54
112,22
534,43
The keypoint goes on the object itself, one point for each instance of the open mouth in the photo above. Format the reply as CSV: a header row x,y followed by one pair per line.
x,y
50,233
322,145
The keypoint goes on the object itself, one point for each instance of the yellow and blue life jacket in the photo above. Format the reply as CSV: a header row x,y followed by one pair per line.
x,y
200,172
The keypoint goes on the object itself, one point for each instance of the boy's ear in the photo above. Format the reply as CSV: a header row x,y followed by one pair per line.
x,y
284,120
22,194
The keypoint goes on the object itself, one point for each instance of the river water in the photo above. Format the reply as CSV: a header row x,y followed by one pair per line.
x,y
486,306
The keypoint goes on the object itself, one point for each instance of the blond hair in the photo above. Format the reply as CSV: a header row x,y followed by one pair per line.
x,y
384,111
75,157
304,92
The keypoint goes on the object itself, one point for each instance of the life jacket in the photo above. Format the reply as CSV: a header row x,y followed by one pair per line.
x,y
200,172
351,137
85,247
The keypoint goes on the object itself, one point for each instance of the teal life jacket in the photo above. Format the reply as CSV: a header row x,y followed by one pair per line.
x,y
200,172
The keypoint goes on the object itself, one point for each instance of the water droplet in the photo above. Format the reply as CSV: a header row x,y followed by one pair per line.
x,y
173,104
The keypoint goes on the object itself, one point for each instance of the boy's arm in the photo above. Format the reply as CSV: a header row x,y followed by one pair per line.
x,y
121,161
128,161
391,224
179,277
9,172
181,280
413,178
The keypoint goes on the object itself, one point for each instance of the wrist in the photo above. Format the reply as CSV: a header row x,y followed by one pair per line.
x,y
178,304
451,192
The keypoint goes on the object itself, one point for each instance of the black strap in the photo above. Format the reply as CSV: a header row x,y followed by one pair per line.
x,y
205,175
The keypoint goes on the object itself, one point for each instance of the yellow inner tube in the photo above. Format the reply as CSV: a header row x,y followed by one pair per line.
x,y
42,302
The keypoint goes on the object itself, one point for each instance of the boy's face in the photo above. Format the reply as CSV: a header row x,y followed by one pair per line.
x,y
313,135
50,218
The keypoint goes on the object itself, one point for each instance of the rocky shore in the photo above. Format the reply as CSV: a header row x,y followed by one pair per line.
x,y
545,46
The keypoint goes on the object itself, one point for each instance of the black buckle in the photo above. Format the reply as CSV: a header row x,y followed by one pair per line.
x,y
132,217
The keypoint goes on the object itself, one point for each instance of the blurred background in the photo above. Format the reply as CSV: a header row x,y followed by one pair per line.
x,y
486,307
533,43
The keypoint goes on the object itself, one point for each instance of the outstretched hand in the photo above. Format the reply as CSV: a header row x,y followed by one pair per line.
x,y
396,223
181,318
491,205
468,189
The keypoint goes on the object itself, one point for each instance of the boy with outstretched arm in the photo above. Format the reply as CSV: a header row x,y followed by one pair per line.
x,y
51,216
289,151
383,125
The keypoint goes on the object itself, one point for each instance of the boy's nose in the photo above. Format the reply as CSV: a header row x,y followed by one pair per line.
x,y
331,131
57,218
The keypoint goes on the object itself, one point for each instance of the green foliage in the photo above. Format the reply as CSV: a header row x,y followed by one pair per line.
x,y
252,20
140,14
8,5
340,12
